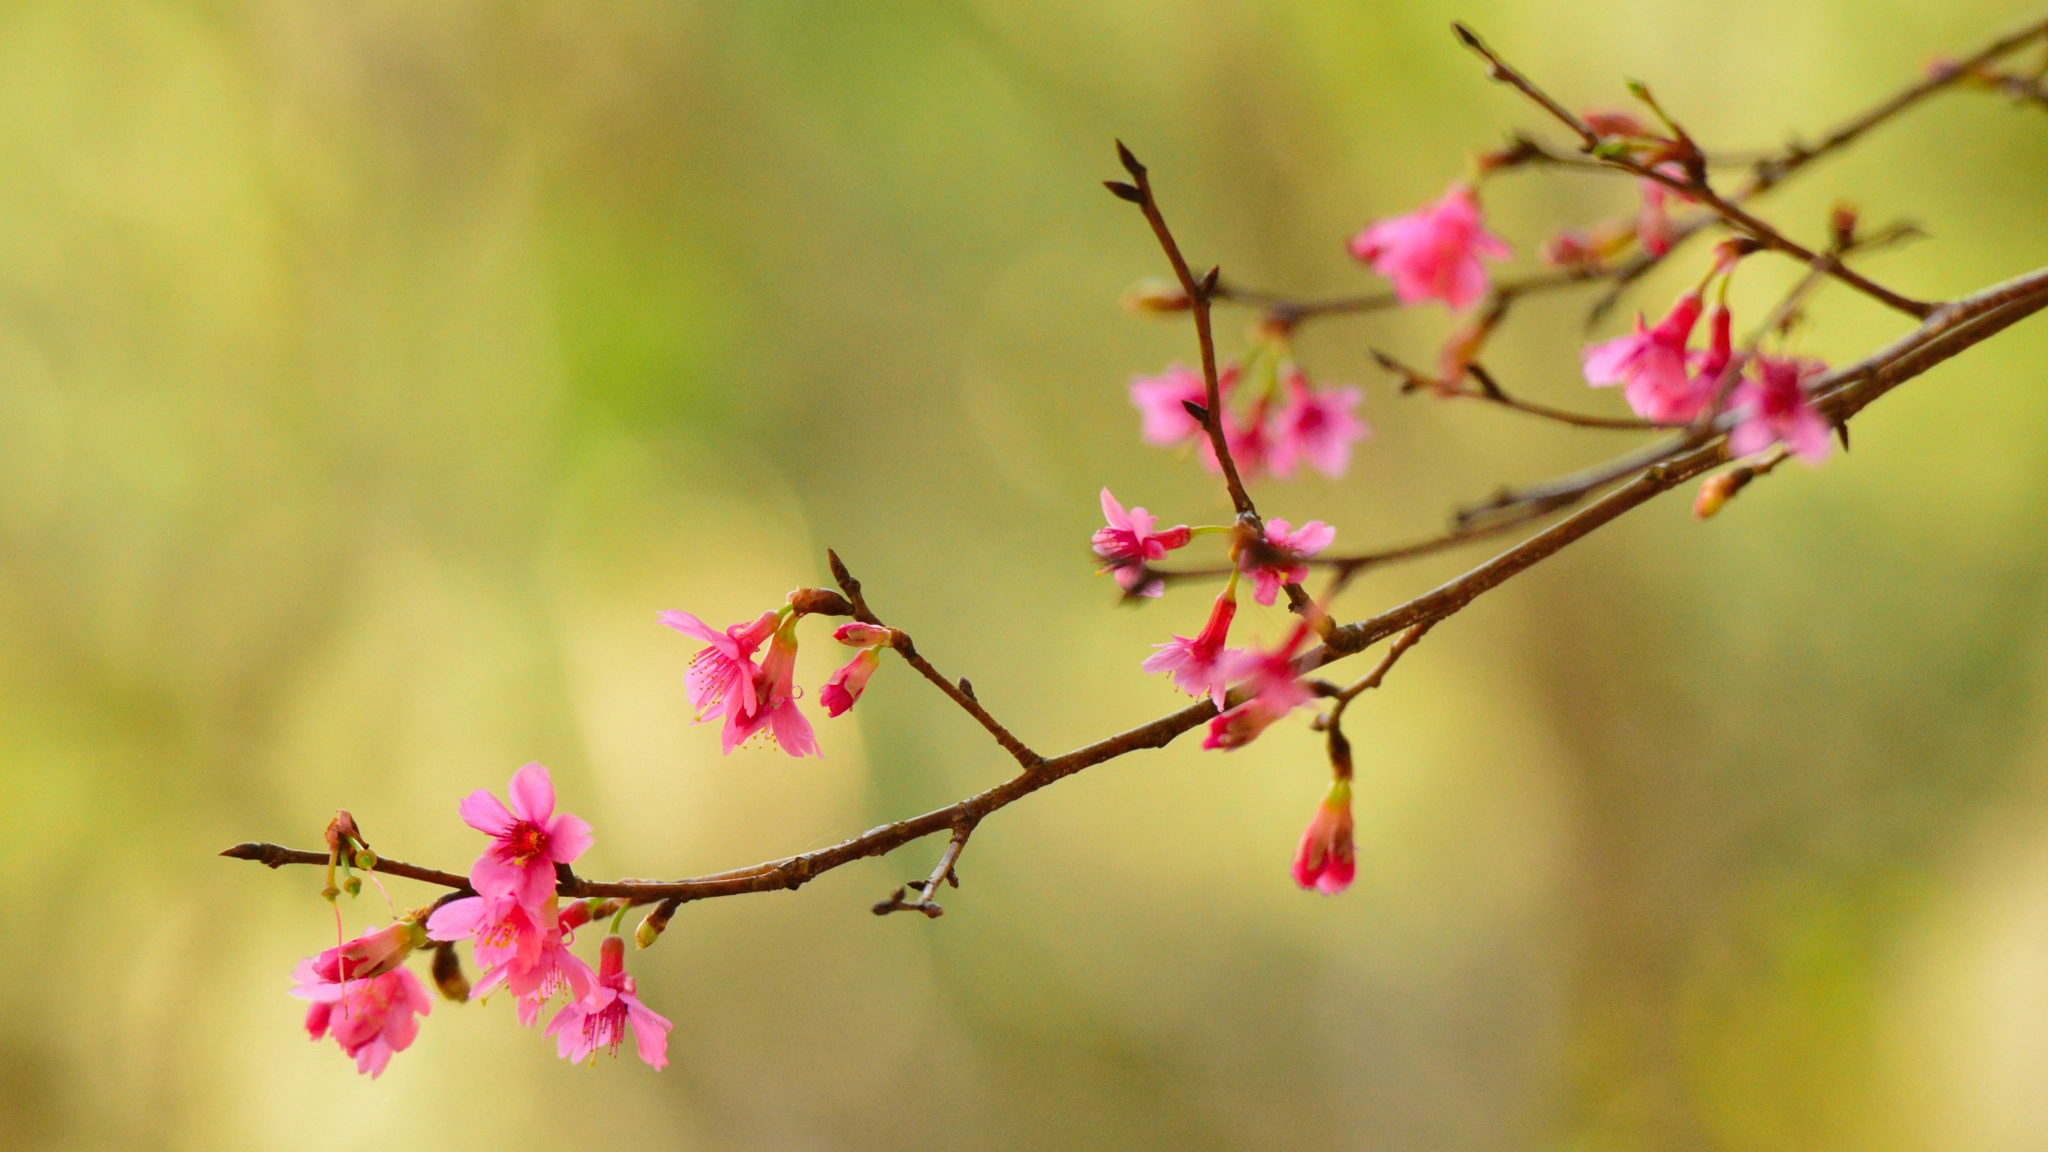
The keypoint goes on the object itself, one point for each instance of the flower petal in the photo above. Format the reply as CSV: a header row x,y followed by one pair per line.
x,y
483,812
533,794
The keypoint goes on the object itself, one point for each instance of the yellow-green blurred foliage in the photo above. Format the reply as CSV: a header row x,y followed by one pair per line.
x,y
372,373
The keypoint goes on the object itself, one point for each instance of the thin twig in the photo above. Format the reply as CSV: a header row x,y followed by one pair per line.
x,y
904,647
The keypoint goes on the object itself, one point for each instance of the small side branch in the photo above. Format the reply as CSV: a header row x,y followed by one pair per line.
x,y
961,693
929,887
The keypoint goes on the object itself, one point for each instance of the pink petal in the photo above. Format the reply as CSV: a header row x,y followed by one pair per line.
x,y
456,920
483,812
690,625
1810,436
533,794
568,838
1607,362
793,732
1114,512
372,1058
650,1033
1751,436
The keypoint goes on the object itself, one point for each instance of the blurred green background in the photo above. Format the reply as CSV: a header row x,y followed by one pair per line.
x,y
371,374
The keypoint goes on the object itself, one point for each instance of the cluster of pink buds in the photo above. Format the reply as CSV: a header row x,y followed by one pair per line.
x,y
1273,420
519,933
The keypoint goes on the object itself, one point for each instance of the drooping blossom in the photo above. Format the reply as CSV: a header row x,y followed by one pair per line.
x,y
1282,559
846,685
375,953
599,1020
1434,252
370,1018
1162,404
1773,407
527,842
1314,426
859,635
722,676
1274,690
1194,662
1325,861
523,951
1650,364
775,713
1129,543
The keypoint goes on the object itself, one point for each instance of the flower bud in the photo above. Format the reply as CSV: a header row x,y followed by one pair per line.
x,y
858,635
448,975
651,928
820,601
1609,122
1161,297
1842,226
1717,490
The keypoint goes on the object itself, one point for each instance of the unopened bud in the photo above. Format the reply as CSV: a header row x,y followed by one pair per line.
x,y
858,635
1842,226
821,601
379,952
1717,490
651,928
448,975
1612,122
1160,297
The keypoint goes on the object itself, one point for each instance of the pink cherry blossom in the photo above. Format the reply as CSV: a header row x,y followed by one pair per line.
x,y
1161,402
1274,691
1325,860
722,674
1650,363
1774,408
1314,426
775,713
1194,662
1281,560
370,1018
599,1020
375,953
846,685
1434,252
520,949
1129,543
527,842
1249,438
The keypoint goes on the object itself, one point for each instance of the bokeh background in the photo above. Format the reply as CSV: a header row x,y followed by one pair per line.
x,y
371,374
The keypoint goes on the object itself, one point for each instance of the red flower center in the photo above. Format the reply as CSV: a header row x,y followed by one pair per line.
x,y
525,841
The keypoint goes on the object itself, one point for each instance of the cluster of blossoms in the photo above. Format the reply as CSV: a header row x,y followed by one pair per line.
x,y
759,699
519,934
1272,420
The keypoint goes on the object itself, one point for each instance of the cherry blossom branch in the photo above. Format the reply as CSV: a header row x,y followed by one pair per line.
x,y
1839,395
1693,183
1198,294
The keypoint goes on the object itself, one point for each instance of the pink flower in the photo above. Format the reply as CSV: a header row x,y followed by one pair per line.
x,y
1314,426
1653,221
1274,687
1281,560
375,953
846,685
1325,861
1650,364
724,672
775,712
1249,439
1193,663
1433,253
520,949
528,841
599,1020
1774,407
1161,402
375,1017
1129,543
